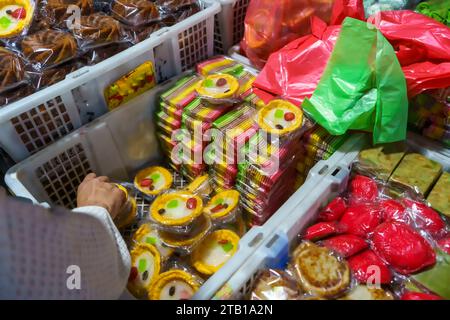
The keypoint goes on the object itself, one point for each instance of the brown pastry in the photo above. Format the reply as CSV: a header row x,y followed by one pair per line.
x,y
53,75
15,94
56,10
142,33
12,70
49,47
135,12
275,285
97,55
98,29
174,5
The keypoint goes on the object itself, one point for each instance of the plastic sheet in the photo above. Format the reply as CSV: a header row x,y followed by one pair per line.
x,y
269,25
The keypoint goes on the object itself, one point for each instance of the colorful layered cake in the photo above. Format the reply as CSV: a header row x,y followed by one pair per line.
x,y
213,252
145,267
153,180
174,285
439,197
15,16
417,171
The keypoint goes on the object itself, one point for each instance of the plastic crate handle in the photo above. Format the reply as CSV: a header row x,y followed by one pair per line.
x,y
277,251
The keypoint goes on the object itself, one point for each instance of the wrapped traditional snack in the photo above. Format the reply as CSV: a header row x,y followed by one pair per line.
x,y
334,210
130,85
363,292
417,172
50,76
322,230
174,285
145,268
57,12
148,234
367,266
382,160
319,272
97,55
48,48
275,285
223,207
16,17
361,219
153,180
403,248
12,70
439,197
201,187
280,118
135,12
426,219
409,295
346,245
127,214
214,251
140,33
177,212
363,189
97,30
185,243
12,95
219,89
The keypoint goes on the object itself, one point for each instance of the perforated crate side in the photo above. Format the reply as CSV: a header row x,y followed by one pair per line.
x,y
239,13
218,39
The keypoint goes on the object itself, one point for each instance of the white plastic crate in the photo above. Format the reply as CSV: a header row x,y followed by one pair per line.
x,y
30,124
299,212
234,53
229,24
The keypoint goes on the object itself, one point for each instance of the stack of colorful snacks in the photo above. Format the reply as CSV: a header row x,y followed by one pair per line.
x,y
232,131
169,118
317,145
430,115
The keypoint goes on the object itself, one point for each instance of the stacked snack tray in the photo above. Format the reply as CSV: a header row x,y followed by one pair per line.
x,y
317,144
180,235
430,115
374,241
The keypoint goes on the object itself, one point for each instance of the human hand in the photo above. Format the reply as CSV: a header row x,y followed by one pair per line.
x,y
98,191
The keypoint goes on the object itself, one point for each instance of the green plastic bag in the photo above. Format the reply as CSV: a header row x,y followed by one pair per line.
x,y
363,86
438,10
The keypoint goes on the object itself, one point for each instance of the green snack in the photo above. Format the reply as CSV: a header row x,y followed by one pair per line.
x,y
383,159
415,170
437,278
440,195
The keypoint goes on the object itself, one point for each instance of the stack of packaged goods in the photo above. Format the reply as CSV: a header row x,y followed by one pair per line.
x,y
266,177
430,115
317,144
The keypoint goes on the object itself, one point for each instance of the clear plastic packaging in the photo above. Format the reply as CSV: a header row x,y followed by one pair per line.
x,y
275,285
223,208
12,70
58,14
135,12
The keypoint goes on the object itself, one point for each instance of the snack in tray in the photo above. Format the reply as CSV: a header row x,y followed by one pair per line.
x,y
275,285
416,171
97,29
153,180
382,160
200,186
223,206
127,214
49,47
135,12
186,242
15,16
145,267
53,75
280,117
174,285
148,234
319,272
218,87
11,95
363,266
177,209
57,13
131,85
363,292
426,219
439,197
214,251
12,70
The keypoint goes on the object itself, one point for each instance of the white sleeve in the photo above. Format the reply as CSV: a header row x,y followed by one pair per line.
x,y
59,254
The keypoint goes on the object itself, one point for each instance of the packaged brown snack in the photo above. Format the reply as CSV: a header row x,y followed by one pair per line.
x,y
15,94
48,48
12,70
55,12
96,55
54,75
135,12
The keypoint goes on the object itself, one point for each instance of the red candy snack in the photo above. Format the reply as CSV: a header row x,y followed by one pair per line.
x,y
410,295
444,244
363,189
426,218
334,210
403,248
368,267
345,245
361,219
394,210
322,230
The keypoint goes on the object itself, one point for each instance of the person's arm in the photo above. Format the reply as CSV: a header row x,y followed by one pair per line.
x,y
59,254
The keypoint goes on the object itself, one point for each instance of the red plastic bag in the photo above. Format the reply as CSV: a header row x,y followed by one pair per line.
x,y
366,265
403,248
270,25
410,295
347,8
345,245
